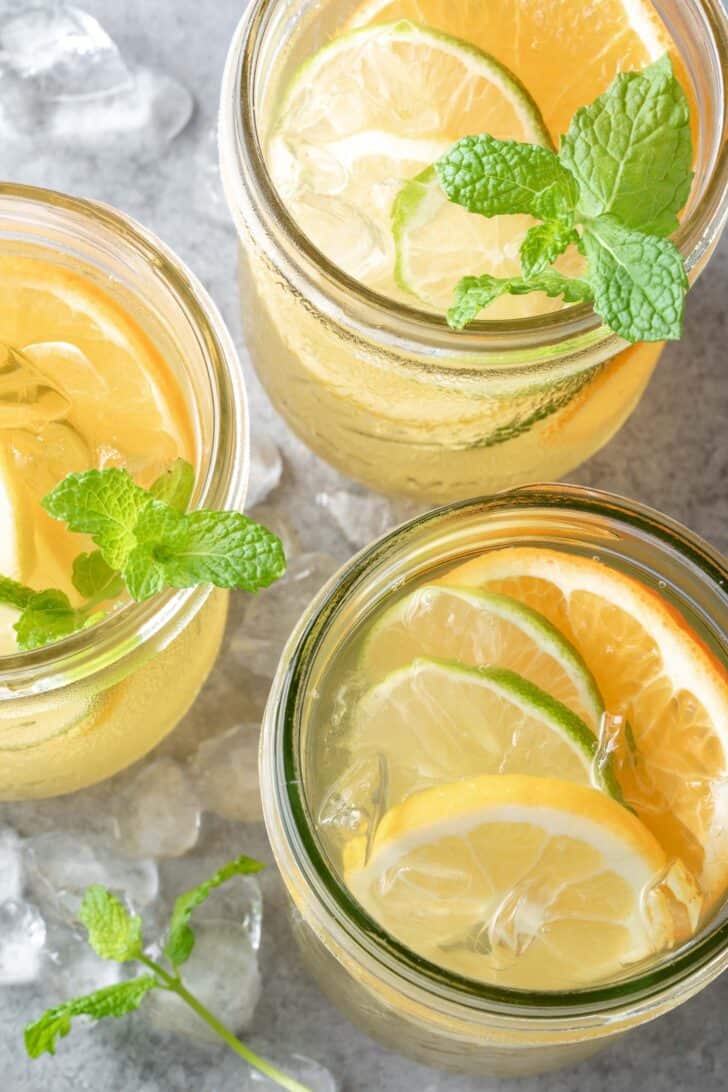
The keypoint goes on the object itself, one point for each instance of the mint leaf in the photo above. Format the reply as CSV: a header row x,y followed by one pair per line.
x,y
175,486
631,151
500,177
474,294
180,938
104,504
41,1035
543,245
639,281
112,932
94,579
179,551
14,594
47,617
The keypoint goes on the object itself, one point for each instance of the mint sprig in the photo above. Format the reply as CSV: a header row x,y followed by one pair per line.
x,y
146,541
614,190
115,935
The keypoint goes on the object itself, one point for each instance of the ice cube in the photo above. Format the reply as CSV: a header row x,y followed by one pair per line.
x,y
61,866
74,968
270,618
356,800
230,1073
11,869
271,516
64,81
28,398
225,772
266,467
360,517
222,973
158,814
238,901
22,938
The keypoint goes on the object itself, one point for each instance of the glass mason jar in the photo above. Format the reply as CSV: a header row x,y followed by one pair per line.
x,y
389,394
400,998
77,711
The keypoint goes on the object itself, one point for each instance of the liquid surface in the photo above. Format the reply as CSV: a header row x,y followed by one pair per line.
x,y
520,769
81,386
381,102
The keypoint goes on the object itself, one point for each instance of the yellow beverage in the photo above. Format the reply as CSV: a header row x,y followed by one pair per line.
x,y
353,102
495,764
91,375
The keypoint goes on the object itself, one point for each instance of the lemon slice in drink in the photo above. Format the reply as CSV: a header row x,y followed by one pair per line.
x,y
368,112
436,720
653,671
482,629
566,51
523,881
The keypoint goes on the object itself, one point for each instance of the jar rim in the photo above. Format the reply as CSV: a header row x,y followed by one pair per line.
x,y
287,813
574,330
224,480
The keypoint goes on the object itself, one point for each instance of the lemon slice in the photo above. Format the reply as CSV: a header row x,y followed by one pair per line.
x,y
436,720
526,882
438,242
371,110
481,629
652,671
566,51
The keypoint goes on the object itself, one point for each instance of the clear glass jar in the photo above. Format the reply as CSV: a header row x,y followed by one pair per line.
x,y
75,712
389,394
398,997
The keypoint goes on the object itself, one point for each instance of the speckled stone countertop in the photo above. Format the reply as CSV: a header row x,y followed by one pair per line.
x,y
672,454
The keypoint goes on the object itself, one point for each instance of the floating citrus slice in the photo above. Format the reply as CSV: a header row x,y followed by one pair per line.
x,y
523,881
653,672
481,629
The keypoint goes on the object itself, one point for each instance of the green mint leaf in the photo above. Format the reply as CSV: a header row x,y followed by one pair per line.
x,y
631,151
175,486
47,617
105,504
118,1000
543,245
179,551
112,931
94,579
474,294
180,938
13,594
499,177
639,281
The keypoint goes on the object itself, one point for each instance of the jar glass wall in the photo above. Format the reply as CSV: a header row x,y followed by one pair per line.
x,y
400,998
77,711
388,394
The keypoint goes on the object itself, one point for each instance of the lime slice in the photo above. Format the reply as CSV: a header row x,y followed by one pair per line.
x,y
436,720
371,110
655,673
481,629
438,242
527,882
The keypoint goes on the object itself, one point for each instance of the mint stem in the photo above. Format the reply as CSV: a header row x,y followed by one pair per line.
x,y
174,985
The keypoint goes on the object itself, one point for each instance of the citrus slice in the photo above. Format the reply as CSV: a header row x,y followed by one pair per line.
x,y
527,882
566,51
371,110
438,242
653,672
436,720
481,629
